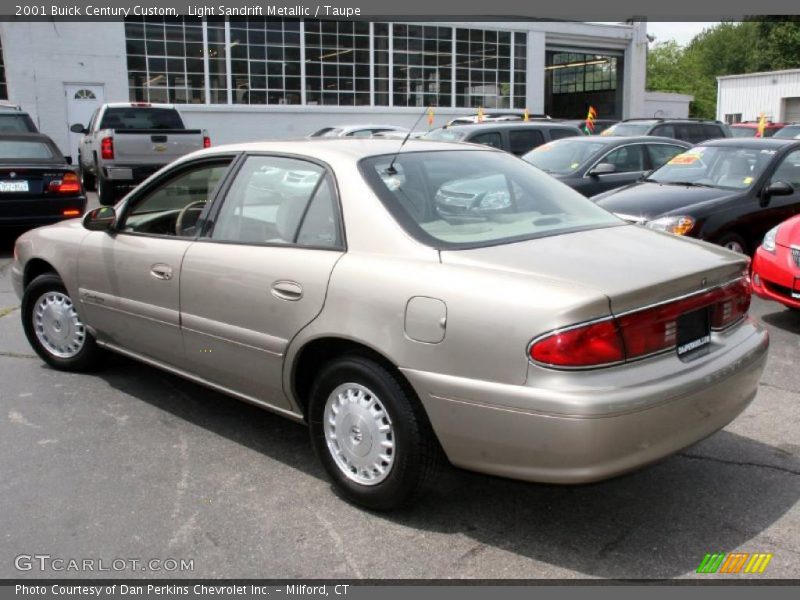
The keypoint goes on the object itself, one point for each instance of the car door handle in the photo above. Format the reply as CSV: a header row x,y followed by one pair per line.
x,y
161,271
287,290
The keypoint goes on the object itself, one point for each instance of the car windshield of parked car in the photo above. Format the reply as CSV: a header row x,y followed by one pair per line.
x,y
628,129
11,150
141,118
467,199
727,167
563,156
445,135
744,132
790,132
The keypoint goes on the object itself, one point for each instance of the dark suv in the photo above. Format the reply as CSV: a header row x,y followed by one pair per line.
x,y
693,131
516,137
14,120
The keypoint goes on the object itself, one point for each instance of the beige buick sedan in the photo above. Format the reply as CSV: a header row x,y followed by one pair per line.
x,y
447,301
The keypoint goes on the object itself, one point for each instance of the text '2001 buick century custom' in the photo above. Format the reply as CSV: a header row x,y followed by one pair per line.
x,y
448,300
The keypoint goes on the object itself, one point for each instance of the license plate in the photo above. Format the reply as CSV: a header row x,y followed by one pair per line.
x,y
13,186
694,333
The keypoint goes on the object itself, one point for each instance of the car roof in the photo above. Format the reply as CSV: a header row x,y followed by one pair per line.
x,y
513,125
751,142
353,148
138,105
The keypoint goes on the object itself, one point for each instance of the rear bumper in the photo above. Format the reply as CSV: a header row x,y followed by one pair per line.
x,y
42,211
578,433
776,277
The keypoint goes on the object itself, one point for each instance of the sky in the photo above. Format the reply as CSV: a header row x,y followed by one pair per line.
x,y
681,32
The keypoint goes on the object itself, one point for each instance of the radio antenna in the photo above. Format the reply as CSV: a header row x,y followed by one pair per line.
x,y
391,170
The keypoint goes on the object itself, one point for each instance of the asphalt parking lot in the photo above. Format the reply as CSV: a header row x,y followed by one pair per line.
x,y
133,463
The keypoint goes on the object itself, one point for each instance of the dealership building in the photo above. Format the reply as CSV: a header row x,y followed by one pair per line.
x,y
257,78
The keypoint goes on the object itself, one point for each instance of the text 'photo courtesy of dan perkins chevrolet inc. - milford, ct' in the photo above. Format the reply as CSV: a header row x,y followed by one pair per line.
x,y
194,10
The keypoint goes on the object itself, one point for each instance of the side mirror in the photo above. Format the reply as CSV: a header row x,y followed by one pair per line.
x,y
78,128
603,169
779,188
100,219
68,159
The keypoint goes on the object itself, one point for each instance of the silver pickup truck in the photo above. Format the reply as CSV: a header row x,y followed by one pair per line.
x,y
126,142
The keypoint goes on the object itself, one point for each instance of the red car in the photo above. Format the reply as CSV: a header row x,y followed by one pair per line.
x,y
750,129
776,265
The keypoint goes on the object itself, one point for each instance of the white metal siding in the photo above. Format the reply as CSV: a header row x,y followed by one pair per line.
x,y
752,95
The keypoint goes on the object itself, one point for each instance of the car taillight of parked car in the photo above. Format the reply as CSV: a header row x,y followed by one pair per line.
x,y
68,184
107,148
206,142
639,333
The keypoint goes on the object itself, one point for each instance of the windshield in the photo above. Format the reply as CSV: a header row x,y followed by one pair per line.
x,y
744,132
563,156
628,129
467,199
445,135
19,150
141,118
790,132
727,167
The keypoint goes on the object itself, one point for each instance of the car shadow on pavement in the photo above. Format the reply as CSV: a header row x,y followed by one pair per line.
x,y
655,523
784,318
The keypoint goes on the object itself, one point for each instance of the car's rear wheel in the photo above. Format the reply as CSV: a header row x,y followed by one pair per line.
x,y
733,242
371,433
53,327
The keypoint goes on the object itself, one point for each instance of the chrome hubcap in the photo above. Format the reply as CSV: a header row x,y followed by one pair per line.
x,y
359,434
57,325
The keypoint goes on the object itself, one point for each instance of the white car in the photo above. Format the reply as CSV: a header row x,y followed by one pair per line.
x,y
363,131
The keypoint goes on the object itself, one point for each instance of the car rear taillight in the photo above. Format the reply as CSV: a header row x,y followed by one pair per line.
x,y
206,142
107,148
639,333
68,184
592,345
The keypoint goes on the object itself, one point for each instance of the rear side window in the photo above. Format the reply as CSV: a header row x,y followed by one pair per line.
x,y
665,131
523,141
141,118
277,200
492,139
557,134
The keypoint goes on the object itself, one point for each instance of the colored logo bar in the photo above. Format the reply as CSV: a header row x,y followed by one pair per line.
x,y
735,562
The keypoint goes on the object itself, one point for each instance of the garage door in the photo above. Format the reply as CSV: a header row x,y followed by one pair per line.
x,y
792,110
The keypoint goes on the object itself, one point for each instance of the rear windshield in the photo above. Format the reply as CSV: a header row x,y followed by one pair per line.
x,y
15,123
25,150
141,118
789,132
628,129
445,135
468,199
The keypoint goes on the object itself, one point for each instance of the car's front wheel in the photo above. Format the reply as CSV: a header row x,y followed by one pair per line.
x,y
53,327
371,433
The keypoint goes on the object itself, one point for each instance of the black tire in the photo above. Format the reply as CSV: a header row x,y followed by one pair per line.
x,y
417,456
106,192
733,239
88,180
90,354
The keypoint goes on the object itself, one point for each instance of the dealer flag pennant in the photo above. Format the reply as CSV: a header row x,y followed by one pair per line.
x,y
588,126
480,114
430,116
526,116
762,125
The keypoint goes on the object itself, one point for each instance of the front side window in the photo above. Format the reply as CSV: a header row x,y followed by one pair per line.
x,y
467,199
524,140
175,206
276,200
626,159
789,170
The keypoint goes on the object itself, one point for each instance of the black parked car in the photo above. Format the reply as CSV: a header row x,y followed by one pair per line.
x,y
594,164
789,132
37,186
693,131
517,137
730,192
600,125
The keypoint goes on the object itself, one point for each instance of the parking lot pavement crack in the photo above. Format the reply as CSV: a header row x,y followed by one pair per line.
x,y
739,463
16,355
7,311
778,387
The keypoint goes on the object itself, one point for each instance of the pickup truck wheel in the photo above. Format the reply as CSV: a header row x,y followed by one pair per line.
x,y
88,180
371,434
106,191
54,328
